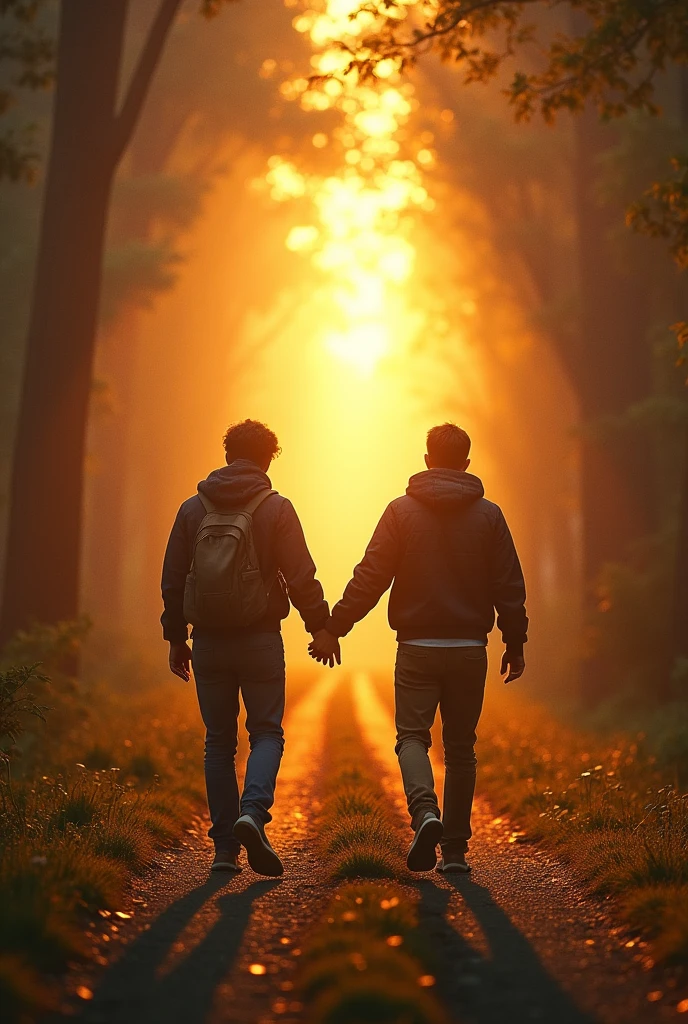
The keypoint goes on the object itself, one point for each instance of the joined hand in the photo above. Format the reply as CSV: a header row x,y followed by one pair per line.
x,y
325,648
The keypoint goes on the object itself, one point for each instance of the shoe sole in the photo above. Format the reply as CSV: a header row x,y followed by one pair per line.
x,y
261,858
224,865
454,869
422,855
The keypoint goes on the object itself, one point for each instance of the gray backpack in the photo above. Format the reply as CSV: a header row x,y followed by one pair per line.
x,y
224,588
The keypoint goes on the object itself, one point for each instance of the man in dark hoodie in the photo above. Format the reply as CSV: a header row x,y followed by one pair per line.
x,y
452,561
250,660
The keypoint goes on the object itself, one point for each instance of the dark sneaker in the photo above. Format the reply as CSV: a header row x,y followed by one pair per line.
x,y
453,863
422,854
226,861
261,856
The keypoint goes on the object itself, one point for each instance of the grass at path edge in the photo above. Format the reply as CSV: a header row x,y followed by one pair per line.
x,y
365,960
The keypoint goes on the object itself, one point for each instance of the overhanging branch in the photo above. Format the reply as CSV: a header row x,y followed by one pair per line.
x,y
126,119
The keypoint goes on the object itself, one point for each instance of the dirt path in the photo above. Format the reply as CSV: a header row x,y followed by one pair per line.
x,y
204,948
519,938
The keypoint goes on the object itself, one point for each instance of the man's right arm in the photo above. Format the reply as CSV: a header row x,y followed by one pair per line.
x,y
372,576
509,596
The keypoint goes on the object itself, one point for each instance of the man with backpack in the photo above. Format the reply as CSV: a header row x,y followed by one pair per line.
x,y
448,554
235,559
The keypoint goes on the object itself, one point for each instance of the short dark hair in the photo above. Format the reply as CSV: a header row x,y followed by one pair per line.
x,y
252,440
448,446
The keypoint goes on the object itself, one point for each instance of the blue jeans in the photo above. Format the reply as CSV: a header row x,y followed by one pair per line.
x,y
223,666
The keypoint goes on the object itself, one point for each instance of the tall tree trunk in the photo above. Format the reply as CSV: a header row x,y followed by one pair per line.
x,y
89,136
42,570
680,623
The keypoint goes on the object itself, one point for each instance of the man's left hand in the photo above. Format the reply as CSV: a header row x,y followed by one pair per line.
x,y
514,663
325,648
180,661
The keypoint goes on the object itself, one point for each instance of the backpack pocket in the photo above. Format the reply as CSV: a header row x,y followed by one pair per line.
x,y
211,610
254,601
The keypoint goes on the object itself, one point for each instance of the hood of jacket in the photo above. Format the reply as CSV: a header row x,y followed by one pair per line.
x,y
445,488
232,487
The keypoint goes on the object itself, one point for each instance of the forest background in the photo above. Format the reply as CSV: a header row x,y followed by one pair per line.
x,y
351,275
542,323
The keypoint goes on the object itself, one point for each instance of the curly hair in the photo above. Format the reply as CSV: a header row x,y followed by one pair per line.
x,y
448,446
252,440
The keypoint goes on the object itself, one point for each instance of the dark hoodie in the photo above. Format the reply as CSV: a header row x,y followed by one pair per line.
x,y
280,545
453,562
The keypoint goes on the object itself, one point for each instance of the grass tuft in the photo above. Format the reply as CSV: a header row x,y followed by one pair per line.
x,y
604,805
364,959
366,1001
662,913
365,861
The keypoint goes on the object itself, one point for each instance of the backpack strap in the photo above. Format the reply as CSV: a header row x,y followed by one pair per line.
x,y
210,506
207,503
258,500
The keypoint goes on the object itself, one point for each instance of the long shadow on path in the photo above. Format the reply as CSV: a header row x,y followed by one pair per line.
x,y
136,990
511,983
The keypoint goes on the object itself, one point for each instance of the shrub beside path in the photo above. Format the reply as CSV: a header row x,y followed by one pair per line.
x,y
520,938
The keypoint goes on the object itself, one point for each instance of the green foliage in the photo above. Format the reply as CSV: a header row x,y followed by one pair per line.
x,y
663,211
56,650
171,201
16,701
613,60
134,273
604,803
54,646
28,51
629,631
70,836
136,268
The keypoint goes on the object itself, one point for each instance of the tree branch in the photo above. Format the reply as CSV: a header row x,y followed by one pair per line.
x,y
126,119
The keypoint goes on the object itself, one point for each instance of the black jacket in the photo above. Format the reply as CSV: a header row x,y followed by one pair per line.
x,y
452,559
280,545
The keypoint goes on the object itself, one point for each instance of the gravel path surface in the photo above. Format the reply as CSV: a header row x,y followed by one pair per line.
x,y
202,948
519,938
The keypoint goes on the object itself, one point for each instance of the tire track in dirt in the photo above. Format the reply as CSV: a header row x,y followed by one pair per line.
x,y
186,958
519,939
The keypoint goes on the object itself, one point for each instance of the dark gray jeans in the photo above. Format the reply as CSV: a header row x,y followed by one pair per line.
x,y
452,678
223,666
